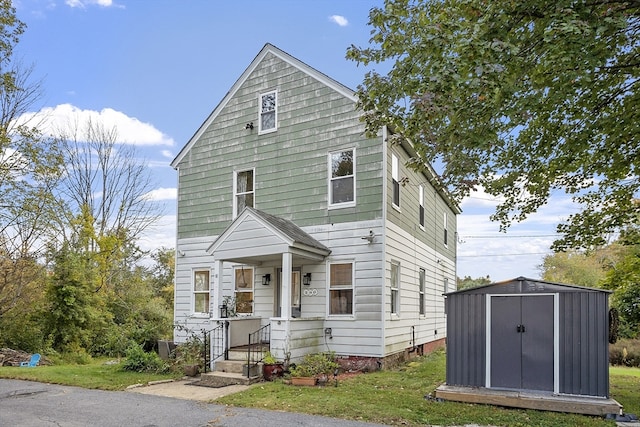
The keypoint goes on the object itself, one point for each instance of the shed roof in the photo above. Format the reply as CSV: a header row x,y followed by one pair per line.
x,y
523,285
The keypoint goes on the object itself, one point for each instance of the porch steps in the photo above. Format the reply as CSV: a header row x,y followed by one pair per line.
x,y
231,372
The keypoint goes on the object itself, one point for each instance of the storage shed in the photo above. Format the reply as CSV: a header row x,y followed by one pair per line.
x,y
531,336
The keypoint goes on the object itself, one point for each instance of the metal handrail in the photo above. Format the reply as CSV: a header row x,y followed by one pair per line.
x,y
220,335
255,350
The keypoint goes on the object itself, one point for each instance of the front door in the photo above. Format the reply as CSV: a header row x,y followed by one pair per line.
x,y
522,342
296,290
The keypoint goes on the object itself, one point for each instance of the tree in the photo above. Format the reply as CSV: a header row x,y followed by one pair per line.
x,y
29,170
524,98
469,282
108,179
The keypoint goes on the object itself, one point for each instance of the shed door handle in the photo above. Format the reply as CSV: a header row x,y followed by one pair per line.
x,y
520,328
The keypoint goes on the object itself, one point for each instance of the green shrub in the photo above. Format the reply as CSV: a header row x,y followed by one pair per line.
x,y
625,352
140,361
315,364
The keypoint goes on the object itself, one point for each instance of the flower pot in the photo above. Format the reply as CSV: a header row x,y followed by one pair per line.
x,y
303,381
191,370
272,371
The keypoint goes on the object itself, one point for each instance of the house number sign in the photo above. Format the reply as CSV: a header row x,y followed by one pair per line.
x,y
310,292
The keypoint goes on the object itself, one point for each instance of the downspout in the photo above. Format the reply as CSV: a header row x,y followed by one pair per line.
x,y
385,154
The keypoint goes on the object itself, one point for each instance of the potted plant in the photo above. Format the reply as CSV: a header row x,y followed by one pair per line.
x,y
190,356
271,368
314,368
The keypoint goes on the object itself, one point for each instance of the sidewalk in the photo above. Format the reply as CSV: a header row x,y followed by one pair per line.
x,y
182,389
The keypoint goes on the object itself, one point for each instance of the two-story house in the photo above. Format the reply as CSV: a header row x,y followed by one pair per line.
x,y
290,219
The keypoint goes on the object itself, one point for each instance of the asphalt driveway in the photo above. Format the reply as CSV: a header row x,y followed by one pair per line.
x,y
32,404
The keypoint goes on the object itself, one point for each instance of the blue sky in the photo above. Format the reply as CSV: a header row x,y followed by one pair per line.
x,y
155,69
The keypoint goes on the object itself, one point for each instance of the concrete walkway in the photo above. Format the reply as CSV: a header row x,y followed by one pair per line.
x,y
184,389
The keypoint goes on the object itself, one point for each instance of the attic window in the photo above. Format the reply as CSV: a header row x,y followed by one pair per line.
x,y
268,112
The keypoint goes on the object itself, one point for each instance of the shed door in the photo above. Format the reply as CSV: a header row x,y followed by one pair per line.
x,y
522,342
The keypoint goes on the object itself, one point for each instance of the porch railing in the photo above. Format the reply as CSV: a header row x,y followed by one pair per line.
x,y
258,342
216,344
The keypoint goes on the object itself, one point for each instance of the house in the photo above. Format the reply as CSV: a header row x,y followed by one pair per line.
x,y
296,229
529,343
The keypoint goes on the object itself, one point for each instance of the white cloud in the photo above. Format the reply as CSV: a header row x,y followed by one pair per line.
x,y
340,20
160,194
85,3
51,120
167,154
161,234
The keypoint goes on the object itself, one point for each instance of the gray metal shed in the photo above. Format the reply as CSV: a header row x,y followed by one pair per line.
x,y
528,334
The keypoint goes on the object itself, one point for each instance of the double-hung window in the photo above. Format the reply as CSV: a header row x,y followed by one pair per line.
x,y
268,112
341,288
395,288
201,291
421,200
421,293
243,190
444,227
342,178
395,179
244,290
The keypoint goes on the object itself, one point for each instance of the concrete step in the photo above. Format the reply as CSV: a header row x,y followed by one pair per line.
x,y
223,379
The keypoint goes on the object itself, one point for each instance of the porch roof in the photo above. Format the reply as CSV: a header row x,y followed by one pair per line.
x,y
255,237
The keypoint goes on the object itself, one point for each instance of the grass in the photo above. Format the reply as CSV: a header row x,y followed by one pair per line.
x,y
393,397
397,397
96,375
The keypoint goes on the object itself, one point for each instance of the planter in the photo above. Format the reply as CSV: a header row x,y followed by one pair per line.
x,y
191,370
303,381
272,371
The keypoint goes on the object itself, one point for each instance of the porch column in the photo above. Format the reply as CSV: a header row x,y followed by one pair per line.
x,y
287,261
216,291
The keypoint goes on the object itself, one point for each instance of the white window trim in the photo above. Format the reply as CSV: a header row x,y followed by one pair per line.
x,y
235,189
353,289
397,312
395,176
330,178
422,293
421,201
275,128
445,230
253,288
195,313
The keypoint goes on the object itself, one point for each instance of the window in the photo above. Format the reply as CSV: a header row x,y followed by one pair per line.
x,y
268,112
243,190
421,279
244,290
395,178
201,291
342,177
421,199
444,225
395,288
341,289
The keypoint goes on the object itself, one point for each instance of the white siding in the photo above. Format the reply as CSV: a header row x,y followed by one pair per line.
x,y
412,255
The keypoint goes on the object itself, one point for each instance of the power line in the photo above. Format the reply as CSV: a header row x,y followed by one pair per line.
x,y
495,255
506,236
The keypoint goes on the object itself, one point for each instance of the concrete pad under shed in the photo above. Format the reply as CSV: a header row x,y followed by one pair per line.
x,y
530,400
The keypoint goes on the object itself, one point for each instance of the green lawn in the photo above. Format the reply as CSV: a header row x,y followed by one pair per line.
x,y
97,374
393,397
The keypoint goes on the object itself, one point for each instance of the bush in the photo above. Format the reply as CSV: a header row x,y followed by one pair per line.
x,y
625,352
140,361
315,364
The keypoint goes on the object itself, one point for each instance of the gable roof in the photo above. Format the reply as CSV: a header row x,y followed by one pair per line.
x,y
270,237
267,49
